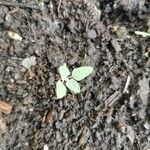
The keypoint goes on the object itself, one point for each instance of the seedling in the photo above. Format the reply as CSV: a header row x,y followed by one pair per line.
x,y
69,80
144,34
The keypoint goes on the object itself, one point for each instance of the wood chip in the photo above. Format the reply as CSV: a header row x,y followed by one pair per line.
x,y
116,45
144,90
48,117
30,74
21,5
2,127
113,98
5,107
84,136
121,126
130,134
14,36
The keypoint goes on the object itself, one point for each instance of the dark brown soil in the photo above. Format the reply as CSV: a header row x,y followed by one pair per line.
x,y
97,33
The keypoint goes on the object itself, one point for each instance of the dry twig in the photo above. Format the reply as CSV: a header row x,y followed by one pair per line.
x,y
59,4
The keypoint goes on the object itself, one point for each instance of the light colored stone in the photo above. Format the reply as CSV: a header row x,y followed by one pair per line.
x,y
29,62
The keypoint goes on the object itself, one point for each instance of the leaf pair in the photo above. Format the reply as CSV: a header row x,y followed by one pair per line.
x,y
78,74
61,89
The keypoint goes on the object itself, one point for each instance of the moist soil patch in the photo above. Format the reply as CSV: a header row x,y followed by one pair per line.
x,y
112,112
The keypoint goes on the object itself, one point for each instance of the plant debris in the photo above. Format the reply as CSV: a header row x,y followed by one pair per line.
x,y
14,35
5,107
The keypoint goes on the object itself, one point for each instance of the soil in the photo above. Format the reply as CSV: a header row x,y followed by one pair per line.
x,y
109,113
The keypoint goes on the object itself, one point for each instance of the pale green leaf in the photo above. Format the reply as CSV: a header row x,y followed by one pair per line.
x,y
73,86
64,71
60,90
81,72
144,34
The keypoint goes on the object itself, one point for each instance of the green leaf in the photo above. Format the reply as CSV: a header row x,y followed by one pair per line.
x,y
73,86
64,71
144,34
60,90
81,72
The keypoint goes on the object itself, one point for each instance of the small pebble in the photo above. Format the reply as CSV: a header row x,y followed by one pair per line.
x,y
91,34
45,147
29,62
121,32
